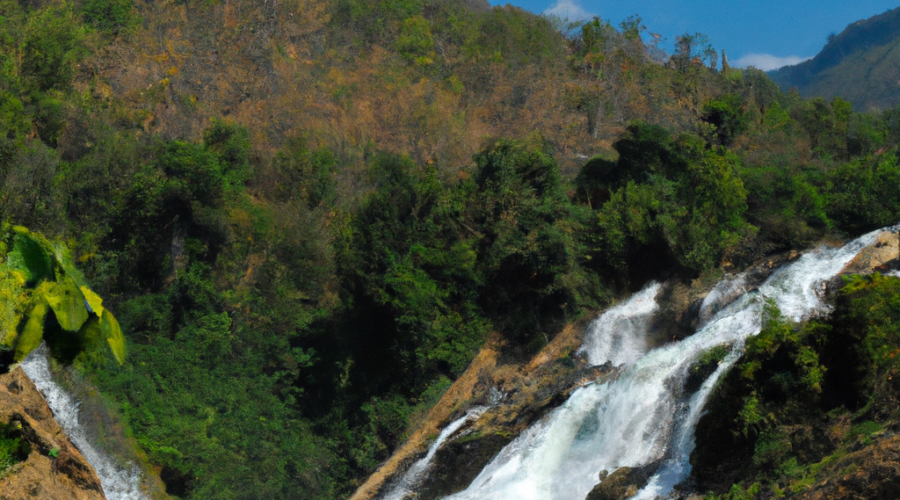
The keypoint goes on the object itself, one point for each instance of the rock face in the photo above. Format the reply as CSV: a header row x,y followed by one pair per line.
x,y
68,476
458,463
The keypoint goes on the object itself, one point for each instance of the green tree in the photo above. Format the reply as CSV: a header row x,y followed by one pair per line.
x,y
727,116
670,198
415,42
528,251
864,194
109,16
50,46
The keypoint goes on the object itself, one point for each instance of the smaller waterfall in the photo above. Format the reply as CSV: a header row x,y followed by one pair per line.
x,y
557,458
118,482
724,293
410,480
619,335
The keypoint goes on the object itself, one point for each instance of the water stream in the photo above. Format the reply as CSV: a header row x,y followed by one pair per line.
x,y
411,479
644,416
119,482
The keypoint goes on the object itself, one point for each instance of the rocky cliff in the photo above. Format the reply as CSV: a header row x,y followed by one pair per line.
x,y
53,468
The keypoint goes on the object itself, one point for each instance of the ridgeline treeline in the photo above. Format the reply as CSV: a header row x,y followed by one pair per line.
x,y
308,215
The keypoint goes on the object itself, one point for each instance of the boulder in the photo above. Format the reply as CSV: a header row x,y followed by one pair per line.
x,y
54,468
458,463
624,483
885,249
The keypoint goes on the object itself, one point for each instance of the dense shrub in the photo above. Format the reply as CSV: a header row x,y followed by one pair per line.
x,y
109,16
50,47
671,198
865,193
726,115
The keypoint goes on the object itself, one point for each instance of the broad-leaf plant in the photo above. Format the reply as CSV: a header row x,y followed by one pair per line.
x,y
40,284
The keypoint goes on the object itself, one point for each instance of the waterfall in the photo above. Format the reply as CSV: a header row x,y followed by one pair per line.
x,y
119,482
643,417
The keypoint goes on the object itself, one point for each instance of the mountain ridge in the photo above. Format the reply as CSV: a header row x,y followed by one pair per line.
x,y
865,47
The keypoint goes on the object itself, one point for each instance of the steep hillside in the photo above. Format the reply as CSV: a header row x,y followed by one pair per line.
x,y
309,216
861,64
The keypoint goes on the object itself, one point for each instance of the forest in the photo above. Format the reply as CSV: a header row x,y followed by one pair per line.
x,y
309,216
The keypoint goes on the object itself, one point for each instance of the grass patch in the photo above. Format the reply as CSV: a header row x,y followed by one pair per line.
x,y
864,429
13,449
704,366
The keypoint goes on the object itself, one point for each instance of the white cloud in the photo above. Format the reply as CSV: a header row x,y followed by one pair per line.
x,y
767,62
569,10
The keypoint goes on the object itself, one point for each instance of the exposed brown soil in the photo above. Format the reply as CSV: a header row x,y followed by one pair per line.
x,y
68,476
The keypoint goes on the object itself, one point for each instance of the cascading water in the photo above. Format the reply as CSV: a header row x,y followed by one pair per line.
x,y
410,480
118,482
643,416
618,336
724,293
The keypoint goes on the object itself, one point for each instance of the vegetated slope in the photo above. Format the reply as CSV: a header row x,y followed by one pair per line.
x,y
308,216
861,64
810,410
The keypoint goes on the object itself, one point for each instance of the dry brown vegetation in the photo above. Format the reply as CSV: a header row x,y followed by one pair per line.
x,y
288,70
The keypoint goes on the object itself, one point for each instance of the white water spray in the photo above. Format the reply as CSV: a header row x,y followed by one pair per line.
x,y
118,482
724,293
643,417
619,336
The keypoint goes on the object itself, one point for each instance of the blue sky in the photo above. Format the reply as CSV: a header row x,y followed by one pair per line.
x,y
763,33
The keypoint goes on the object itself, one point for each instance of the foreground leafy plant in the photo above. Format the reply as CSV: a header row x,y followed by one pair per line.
x,y
41,288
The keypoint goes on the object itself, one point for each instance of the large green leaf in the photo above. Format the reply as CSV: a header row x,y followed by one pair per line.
x,y
30,258
63,257
113,333
95,303
11,328
58,286
33,332
12,300
68,304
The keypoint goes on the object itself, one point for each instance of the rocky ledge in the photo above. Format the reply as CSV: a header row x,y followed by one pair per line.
x,y
54,468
